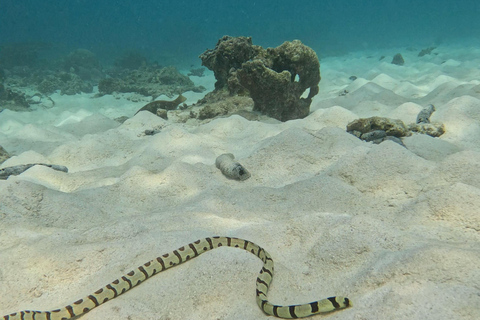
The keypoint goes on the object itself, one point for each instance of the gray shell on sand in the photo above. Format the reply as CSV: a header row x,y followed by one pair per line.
x,y
16,170
230,168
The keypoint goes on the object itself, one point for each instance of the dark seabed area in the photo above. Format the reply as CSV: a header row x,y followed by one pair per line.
x,y
176,32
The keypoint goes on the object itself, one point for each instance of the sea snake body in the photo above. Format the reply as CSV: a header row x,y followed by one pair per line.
x,y
183,254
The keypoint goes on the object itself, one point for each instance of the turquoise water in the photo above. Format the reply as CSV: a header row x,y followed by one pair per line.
x,y
178,31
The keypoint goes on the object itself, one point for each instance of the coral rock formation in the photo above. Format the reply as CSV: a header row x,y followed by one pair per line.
x,y
162,104
221,103
275,78
229,55
423,124
379,129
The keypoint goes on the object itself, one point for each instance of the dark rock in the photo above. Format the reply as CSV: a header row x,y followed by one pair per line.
x,y
353,78
3,155
398,60
426,51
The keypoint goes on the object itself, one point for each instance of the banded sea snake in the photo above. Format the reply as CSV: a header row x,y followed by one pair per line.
x,y
183,254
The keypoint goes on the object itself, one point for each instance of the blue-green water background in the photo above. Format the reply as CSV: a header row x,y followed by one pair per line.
x,y
179,31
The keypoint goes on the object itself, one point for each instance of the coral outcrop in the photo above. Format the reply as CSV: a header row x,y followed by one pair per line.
x,y
12,99
426,51
379,129
198,72
228,56
149,81
363,128
275,78
68,83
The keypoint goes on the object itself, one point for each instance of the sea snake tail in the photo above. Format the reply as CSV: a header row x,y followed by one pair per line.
x,y
176,257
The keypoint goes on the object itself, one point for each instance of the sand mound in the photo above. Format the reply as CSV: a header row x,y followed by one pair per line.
x,y
395,229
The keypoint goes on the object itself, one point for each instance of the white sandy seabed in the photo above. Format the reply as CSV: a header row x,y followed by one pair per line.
x,y
394,229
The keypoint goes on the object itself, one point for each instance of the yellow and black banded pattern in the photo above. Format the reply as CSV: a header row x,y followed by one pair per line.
x,y
183,254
